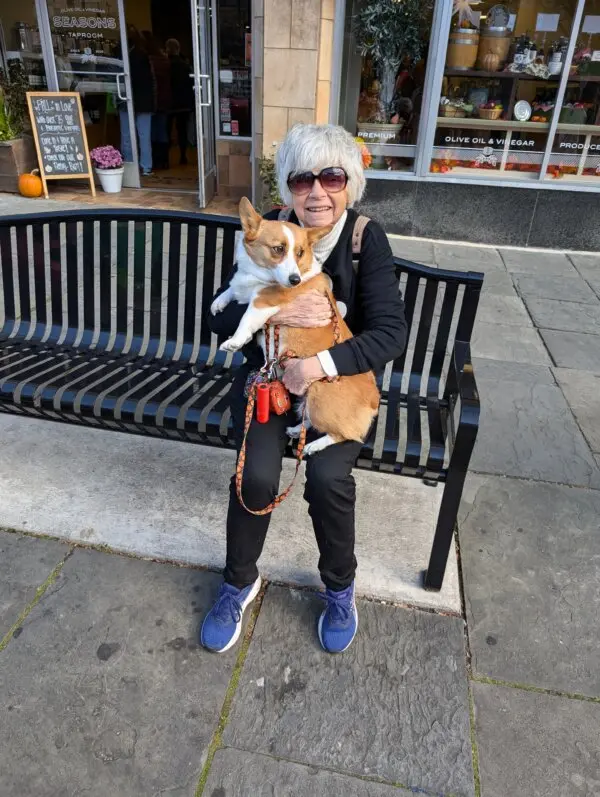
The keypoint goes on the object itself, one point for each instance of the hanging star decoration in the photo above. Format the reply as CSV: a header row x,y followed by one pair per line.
x,y
464,9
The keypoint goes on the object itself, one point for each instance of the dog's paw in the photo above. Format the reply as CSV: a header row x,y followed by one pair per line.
x,y
309,450
218,305
233,344
318,445
294,431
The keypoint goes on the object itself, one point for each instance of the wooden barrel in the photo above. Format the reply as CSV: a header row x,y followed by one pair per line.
x,y
462,49
495,41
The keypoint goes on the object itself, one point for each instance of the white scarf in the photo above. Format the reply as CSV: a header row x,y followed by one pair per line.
x,y
323,248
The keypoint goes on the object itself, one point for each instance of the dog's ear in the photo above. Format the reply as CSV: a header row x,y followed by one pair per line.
x,y
315,234
250,219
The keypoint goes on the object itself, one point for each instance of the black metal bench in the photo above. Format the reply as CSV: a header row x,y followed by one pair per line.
x,y
102,322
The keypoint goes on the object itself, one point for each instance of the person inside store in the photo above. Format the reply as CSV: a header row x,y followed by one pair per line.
x,y
320,176
161,69
182,96
143,89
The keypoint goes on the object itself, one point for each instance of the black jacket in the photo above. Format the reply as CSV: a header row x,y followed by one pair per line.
x,y
375,307
182,86
143,82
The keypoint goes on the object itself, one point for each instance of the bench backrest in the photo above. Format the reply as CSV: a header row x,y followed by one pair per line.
x,y
140,283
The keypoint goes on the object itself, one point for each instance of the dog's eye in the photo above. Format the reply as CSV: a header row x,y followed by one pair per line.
x,y
279,249
300,251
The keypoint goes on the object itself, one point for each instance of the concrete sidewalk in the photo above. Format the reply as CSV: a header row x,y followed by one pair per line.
x,y
105,691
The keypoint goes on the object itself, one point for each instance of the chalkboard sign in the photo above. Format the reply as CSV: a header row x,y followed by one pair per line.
x,y
60,139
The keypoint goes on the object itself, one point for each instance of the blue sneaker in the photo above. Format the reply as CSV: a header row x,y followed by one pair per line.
x,y
223,624
339,621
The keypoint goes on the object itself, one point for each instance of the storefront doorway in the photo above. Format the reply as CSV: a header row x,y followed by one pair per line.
x,y
143,69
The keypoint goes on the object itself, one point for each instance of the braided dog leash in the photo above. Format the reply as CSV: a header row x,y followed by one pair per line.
x,y
241,461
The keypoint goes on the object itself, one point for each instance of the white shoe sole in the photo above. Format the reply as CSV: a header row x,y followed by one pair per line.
x,y
251,595
320,627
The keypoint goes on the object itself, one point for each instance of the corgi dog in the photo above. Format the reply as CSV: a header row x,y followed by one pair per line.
x,y
275,263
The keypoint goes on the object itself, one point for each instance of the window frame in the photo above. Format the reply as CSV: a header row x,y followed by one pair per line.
x,y
441,24
216,82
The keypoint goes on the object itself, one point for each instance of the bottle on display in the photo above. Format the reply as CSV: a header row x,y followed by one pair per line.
x,y
532,52
23,37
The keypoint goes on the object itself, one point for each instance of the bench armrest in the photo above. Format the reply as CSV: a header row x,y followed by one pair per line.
x,y
462,387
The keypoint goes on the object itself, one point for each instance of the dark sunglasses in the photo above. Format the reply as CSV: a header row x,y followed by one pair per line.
x,y
333,179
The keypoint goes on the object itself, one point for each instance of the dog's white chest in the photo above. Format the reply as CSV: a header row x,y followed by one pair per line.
x,y
267,343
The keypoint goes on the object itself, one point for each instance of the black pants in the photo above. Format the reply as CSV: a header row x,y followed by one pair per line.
x,y
330,492
181,121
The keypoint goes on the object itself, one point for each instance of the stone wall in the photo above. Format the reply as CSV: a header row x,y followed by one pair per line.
x,y
292,50
235,168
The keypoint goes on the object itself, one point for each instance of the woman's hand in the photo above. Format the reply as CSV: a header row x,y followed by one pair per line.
x,y
310,309
299,374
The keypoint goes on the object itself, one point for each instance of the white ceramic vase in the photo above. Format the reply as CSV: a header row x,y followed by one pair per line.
x,y
111,180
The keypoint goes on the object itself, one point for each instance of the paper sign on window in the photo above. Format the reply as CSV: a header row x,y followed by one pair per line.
x,y
547,23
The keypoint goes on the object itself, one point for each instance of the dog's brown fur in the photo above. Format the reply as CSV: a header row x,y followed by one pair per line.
x,y
346,407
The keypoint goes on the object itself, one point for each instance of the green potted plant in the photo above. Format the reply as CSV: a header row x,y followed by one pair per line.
x,y
17,150
391,34
266,170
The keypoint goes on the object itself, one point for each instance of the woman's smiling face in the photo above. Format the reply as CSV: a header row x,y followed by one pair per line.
x,y
319,208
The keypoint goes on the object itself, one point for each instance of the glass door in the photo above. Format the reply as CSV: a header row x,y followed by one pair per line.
x,y
205,131
91,56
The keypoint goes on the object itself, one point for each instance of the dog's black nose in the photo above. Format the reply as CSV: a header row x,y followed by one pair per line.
x,y
294,279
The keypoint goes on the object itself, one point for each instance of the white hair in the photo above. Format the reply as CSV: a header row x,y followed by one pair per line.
x,y
310,148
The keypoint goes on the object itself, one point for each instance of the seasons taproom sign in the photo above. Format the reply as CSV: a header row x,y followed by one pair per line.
x,y
83,23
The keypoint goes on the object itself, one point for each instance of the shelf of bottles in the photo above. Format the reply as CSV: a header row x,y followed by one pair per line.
x,y
499,94
27,48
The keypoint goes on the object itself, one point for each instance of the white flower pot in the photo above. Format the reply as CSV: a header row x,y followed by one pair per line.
x,y
110,179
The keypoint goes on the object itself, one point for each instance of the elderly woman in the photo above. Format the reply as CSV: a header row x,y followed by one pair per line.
x,y
320,175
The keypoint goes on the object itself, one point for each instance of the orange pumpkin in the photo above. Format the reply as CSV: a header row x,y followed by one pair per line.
x,y
30,185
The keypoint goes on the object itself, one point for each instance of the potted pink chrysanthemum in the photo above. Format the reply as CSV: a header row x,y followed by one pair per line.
x,y
108,163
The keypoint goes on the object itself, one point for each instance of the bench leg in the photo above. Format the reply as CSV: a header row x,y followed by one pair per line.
x,y
459,463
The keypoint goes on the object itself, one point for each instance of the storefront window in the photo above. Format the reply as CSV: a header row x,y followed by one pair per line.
x,y
87,52
234,56
501,78
575,153
20,43
383,77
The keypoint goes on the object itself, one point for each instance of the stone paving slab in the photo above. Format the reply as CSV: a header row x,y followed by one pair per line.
x,y
461,257
587,265
516,344
540,286
235,773
566,316
573,349
499,283
413,249
502,371
25,564
536,745
595,286
161,498
393,706
582,391
530,556
527,430
546,264
105,692
504,310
